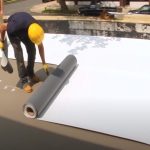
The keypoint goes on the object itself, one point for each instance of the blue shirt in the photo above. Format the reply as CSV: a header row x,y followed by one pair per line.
x,y
18,25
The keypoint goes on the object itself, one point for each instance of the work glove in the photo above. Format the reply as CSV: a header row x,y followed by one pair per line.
x,y
1,45
45,67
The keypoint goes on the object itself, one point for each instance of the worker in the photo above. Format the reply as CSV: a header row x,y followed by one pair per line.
x,y
22,27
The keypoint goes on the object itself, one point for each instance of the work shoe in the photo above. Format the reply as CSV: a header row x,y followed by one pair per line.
x,y
34,79
27,88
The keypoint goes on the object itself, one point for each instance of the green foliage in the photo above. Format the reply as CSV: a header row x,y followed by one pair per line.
x,y
10,1
59,12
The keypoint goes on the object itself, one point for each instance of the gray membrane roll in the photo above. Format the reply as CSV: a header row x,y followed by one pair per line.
x,y
42,97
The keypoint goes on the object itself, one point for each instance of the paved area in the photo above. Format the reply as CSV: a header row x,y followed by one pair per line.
x,y
40,7
127,18
20,5
54,5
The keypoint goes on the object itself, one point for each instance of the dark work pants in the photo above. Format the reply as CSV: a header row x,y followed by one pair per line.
x,y
24,71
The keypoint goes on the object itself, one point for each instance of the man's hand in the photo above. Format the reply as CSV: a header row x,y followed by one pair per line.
x,y
1,45
45,67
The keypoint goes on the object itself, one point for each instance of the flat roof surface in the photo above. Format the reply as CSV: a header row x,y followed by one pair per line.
x,y
57,47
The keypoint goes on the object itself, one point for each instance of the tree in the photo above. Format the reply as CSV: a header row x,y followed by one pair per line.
x,y
63,5
93,2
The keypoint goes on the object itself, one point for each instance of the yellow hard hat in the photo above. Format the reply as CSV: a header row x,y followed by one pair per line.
x,y
35,33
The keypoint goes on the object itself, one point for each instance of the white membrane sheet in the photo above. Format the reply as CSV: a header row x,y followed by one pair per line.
x,y
109,92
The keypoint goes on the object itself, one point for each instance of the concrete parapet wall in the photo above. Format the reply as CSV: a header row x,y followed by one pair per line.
x,y
137,26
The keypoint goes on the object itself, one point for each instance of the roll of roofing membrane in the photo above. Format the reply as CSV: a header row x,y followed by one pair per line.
x,y
41,98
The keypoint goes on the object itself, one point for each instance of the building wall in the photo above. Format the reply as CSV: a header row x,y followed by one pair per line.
x,y
97,28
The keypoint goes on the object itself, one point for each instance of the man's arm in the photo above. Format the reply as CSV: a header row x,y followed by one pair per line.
x,y
1,8
41,52
42,55
3,28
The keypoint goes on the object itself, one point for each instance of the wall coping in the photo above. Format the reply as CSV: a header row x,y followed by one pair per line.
x,y
136,18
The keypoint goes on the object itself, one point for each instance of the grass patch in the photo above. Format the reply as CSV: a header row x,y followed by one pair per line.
x,y
58,11
11,1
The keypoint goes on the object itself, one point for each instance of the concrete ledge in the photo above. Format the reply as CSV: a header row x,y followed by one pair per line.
x,y
137,18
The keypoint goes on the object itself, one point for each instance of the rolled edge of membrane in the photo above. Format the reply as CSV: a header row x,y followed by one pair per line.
x,y
30,111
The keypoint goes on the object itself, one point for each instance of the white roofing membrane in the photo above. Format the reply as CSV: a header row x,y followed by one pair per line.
x,y
109,92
